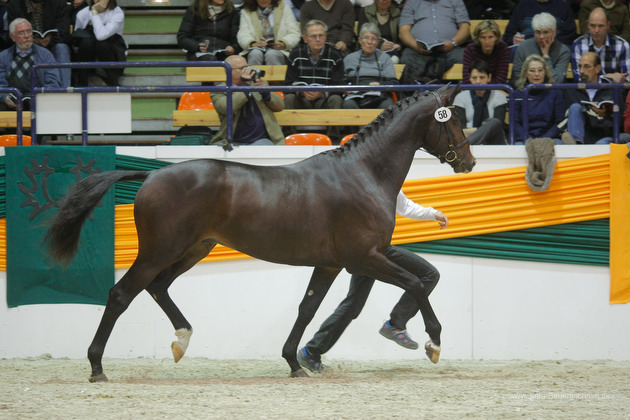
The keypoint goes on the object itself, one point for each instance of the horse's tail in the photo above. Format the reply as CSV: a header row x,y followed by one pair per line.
x,y
62,236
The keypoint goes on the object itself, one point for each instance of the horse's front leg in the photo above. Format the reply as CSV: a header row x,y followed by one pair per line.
x,y
416,276
320,282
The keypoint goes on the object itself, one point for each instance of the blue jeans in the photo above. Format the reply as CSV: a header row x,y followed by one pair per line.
x,y
61,52
577,121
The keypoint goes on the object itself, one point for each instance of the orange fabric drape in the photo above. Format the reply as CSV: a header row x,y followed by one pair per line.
x,y
500,200
619,226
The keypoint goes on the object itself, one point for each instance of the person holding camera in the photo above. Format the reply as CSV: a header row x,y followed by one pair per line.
x,y
16,63
254,122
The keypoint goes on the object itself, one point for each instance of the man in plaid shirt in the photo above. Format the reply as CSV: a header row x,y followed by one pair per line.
x,y
613,50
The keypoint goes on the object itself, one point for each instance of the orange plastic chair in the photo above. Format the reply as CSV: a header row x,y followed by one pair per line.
x,y
195,101
346,138
308,139
11,140
280,93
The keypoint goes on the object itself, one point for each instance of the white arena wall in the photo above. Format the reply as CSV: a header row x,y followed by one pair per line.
x,y
489,309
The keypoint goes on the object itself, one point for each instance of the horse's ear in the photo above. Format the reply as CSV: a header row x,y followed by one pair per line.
x,y
449,92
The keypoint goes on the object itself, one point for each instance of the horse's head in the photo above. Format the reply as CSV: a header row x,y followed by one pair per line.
x,y
449,144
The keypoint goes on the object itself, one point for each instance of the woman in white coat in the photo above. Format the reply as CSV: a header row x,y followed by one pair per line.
x,y
97,36
267,32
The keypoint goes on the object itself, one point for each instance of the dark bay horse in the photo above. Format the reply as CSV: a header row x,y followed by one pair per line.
x,y
332,211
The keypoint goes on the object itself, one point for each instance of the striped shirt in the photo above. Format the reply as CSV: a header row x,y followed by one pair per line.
x,y
614,54
327,69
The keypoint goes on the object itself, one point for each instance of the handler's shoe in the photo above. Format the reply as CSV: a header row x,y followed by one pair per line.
x,y
399,336
307,361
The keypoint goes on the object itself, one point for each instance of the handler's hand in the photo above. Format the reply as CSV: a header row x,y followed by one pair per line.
x,y
442,219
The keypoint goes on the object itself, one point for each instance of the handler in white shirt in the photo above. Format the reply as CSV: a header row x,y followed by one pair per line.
x,y
395,329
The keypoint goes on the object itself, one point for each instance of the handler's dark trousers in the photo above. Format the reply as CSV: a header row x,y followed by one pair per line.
x,y
360,287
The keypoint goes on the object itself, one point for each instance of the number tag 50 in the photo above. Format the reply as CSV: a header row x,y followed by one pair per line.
x,y
442,114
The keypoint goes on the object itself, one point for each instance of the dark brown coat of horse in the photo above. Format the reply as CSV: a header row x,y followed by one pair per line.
x,y
332,211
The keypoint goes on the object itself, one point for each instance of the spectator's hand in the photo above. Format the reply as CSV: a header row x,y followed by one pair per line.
x,y
341,46
442,219
311,96
42,42
447,46
203,46
277,45
601,112
374,83
260,43
518,38
230,50
9,102
544,47
101,5
421,50
617,77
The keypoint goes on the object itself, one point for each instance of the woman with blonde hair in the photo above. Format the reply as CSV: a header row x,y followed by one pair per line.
x,y
545,107
487,46
208,30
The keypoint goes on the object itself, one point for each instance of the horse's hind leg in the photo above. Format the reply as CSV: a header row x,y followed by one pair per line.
x,y
120,296
158,290
320,282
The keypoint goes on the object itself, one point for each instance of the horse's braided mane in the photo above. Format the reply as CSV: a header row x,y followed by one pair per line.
x,y
386,116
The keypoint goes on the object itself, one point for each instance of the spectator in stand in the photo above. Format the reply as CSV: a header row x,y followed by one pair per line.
x,y
482,112
487,46
369,66
519,26
5,39
433,32
254,121
267,32
386,16
617,11
208,30
338,15
613,50
545,107
16,62
314,63
98,36
544,44
588,124
45,16
74,7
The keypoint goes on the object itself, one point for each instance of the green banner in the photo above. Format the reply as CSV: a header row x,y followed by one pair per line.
x,y
36,178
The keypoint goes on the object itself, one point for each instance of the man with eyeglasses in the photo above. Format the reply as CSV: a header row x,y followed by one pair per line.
x,y
556,54
590,118
51,19
17,61
613,50
338,15
314,64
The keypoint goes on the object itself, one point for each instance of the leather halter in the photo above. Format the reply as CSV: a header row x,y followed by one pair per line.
x,y
451,156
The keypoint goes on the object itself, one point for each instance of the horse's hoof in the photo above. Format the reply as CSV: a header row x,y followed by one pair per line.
x,y
98,378
432,351
178,352
300,373
179,347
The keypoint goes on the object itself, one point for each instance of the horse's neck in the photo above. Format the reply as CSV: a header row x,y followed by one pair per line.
x,y
390,151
